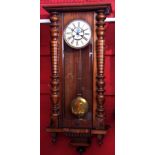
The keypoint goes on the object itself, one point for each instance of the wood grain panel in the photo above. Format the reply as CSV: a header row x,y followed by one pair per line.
x,y
71,72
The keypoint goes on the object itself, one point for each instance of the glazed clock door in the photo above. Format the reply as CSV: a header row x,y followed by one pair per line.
x,y
78,69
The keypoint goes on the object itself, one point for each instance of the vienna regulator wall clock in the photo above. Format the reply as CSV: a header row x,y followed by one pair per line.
x,y
77,72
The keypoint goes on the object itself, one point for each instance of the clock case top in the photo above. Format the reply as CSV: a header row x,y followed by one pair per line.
x,y
79,8
65,57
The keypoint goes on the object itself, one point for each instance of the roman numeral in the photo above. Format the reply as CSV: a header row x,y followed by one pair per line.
x,y
85,38
86,33
72,41
77,43
82,42
78,24
68,32
69,38
74,25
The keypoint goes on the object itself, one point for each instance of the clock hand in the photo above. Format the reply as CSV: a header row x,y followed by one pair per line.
x,y
74,31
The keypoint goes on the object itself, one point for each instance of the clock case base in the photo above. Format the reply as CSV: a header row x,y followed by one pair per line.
x,y
80,136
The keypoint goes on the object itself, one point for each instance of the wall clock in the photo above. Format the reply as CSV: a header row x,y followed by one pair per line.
x,y
77,72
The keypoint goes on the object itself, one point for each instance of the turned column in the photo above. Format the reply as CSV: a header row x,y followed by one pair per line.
x,y
54,51
100,114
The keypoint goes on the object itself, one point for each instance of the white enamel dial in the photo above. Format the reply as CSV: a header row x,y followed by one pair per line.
x,y
77,34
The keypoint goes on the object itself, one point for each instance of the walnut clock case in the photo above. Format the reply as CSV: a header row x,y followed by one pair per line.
x,y
77,72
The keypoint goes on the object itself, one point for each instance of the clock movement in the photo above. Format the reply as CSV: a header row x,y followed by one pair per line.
x,y
77,72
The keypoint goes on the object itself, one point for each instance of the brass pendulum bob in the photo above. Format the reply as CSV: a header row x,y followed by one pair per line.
x,y
79,107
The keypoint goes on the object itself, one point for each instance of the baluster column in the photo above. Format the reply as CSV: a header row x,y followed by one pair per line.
x,y
54,51
100,114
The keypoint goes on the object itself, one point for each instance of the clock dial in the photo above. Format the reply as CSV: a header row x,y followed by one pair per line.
x,y
77,34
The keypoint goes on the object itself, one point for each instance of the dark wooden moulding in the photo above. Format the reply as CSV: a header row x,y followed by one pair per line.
x,y
81,134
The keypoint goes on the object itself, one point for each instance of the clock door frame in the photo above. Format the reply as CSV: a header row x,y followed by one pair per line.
x,y
70,86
